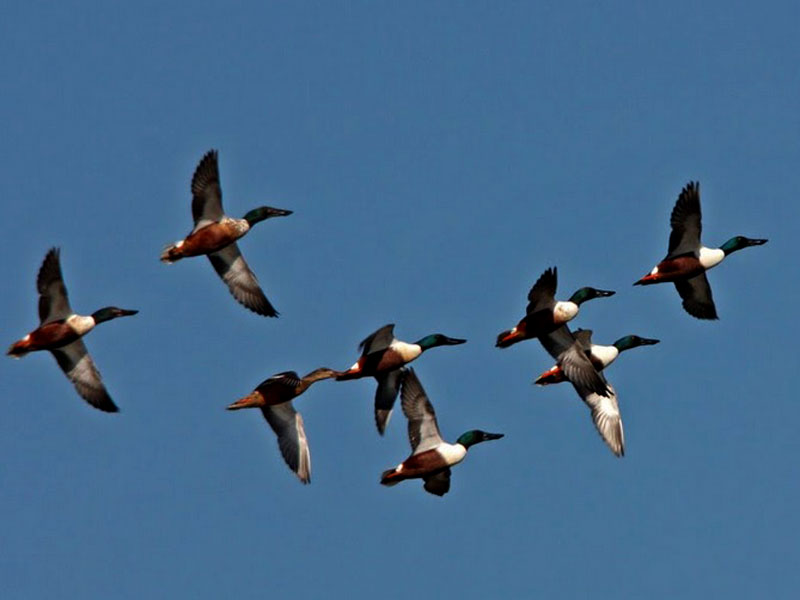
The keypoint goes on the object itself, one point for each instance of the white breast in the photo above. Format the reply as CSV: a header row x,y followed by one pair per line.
x,y
564,311
407,352
80,325
452,453
605,354
710,257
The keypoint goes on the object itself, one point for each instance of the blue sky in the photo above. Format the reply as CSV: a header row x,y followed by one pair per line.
x,y
438,158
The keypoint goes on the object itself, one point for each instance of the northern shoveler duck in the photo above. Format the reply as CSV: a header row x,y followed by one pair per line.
x,y
215,234
274,397
61,331
382,357
600,356
604,406
544,313
431,456
687,260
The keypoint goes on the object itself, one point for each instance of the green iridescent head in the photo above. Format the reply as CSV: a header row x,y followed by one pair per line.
x,y
739,242
476,436
437,339
589,293
265,212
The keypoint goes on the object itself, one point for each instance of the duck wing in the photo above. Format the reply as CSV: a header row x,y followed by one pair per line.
x,y
380,340
438,483
53,300
206,192
697,298
584,338
543,293
287,424
79,368
234,271
606,417
570,353
385,396
423,430
686,222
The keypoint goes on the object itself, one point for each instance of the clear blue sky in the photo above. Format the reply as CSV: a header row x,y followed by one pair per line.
x,y
438,157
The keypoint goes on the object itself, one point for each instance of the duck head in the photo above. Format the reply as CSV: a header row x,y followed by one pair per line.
x,y
476,436
589,293
739,242
633,341
111,312
265,212
437,339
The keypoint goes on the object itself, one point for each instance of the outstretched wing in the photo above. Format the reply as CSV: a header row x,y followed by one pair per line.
x,y
438,483
385,396
79,368
685,222
234,271
287,424
697,298
53,300
423,431
557,341
206,192
606,417
571,355
380,340
543,293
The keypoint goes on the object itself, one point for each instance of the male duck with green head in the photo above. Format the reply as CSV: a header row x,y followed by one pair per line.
x,y
544,313
215,235
687,260
61,330
431,456
382,357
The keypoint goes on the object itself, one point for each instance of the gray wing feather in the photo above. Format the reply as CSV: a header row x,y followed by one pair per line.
x,y
685,221
543,293
234,271
380,340
206,192
697,298
385,396
584,338
558,341
606,417
79,368
287,424
423,431
53,300
438,483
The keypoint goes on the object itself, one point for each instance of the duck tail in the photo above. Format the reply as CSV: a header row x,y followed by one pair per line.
x,y
19,348
172,253
507,338
251,400
554,375
391,477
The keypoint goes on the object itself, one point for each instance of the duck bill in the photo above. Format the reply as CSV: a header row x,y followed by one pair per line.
x,y
649,342
752,242
493,436
123,312
605,293
278,212
448,341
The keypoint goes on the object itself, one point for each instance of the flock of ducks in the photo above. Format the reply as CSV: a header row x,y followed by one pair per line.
x,y
383,356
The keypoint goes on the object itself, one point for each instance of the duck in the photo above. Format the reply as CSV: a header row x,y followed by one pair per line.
x,y
274,397
383,357
60,332
600,356
431,457
687,260
544,313
604,406
215,234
